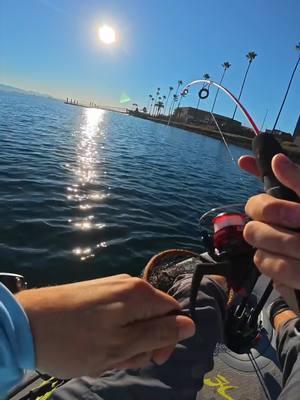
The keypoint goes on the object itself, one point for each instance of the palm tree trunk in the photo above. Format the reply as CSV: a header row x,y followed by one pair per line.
x,y
179,111
155,103
171,106
150,108
170,115
170,111
243,84
286,93
179,102
216,96
167,100
148,105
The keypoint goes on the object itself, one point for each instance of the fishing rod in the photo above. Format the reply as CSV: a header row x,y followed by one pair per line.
x,y
228,92
264,147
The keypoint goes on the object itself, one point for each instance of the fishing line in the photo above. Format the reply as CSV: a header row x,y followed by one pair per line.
x,y
226,145
223,137
206,85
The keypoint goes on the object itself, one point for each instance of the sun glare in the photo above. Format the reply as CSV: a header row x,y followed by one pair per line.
x,y
107,34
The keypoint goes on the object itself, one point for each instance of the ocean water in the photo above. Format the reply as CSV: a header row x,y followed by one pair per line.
x,y
88,193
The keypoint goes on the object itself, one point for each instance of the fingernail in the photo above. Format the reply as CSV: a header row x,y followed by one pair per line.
x,y
186,330
284,160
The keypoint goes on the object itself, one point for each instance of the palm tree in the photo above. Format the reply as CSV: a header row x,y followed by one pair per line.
x,y
157,93
288,88
170,90
150,98
182,95
159,106
154,109
175,96
225,66
175,99
179,83
206,77
151,104
164,99
250,56
159,101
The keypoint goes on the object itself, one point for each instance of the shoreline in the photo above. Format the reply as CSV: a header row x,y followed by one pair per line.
x,y
292,150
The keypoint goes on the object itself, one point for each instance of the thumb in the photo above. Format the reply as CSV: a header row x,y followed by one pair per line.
x,y
287,172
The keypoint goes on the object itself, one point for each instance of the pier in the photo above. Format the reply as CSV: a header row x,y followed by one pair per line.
x,y
74,102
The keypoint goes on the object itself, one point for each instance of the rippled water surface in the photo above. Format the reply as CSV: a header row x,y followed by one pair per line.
x,y
87,193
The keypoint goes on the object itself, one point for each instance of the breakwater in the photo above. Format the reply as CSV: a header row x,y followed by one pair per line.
x,y
290,148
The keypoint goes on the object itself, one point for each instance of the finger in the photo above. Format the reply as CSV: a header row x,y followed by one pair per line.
x,y
274,239
282,269
163,303
248,164
145,336
160,356
287,172
139,361
273,211
145,302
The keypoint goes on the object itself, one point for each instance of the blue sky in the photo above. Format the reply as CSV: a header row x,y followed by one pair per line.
x,y
52,46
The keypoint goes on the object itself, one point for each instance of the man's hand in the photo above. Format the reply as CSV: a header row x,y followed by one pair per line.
x,y
274,221
89,327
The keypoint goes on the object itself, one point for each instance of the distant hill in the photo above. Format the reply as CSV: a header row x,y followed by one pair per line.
x,y
13,89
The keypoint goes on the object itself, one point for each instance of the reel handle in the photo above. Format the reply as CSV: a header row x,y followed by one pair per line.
x,y
265,147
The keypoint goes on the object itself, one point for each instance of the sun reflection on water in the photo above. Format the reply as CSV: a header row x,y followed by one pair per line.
x,y
86,172
86,152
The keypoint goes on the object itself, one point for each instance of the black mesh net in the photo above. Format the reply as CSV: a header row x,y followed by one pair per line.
x,y
164,272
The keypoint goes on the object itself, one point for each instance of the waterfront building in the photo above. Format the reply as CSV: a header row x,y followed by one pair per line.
x,y
198,117
195,116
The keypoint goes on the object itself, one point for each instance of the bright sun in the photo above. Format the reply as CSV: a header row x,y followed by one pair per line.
x,y
106,34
